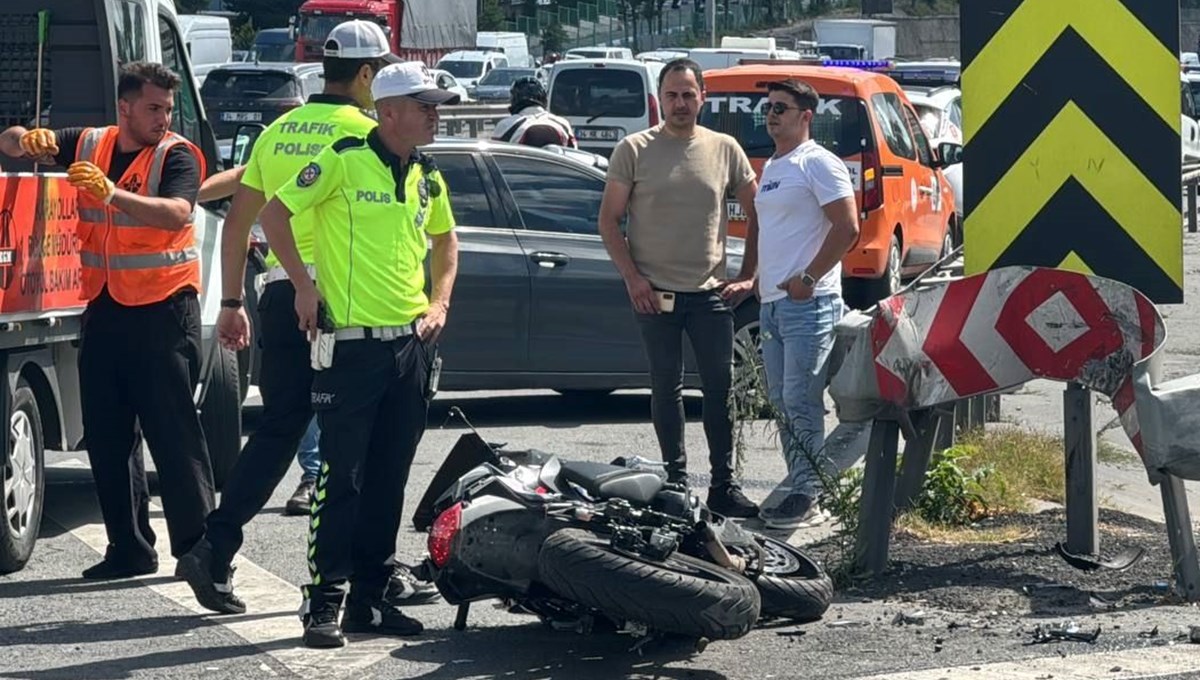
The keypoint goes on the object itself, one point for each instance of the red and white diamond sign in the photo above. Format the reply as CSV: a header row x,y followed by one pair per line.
x,y
1008,326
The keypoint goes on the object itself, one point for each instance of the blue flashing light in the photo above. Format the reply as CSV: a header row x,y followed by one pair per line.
x,y
867,64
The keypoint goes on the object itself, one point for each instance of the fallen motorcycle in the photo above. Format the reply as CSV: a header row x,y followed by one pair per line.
x,y
583,544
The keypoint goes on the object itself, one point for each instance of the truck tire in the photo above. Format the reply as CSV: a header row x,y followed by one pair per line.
x,y
792,585
23,479
681,595
221,414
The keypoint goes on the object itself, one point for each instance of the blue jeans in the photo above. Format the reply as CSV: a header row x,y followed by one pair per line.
x,y
308,454
797,341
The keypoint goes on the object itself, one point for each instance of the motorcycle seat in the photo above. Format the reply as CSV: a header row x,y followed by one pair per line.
x,y
605,481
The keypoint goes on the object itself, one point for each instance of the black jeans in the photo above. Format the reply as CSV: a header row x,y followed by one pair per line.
x,y
286,384
138,369
371,406
708,322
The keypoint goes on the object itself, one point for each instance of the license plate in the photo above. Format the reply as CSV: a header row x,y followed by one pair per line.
x,y
598,135
735,211
241,116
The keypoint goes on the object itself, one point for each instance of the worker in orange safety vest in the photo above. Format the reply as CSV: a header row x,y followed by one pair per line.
x,y
139,358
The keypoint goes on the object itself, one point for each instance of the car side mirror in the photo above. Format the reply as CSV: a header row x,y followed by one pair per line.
x,y
949,153
243,143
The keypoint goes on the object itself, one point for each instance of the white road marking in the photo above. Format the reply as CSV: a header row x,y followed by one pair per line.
x,y
1148,662
270,623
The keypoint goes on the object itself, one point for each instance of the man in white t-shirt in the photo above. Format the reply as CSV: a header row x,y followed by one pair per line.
x,y
807,221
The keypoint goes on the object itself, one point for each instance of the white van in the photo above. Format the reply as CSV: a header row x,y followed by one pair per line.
x,y
209,42
468,66
710,58
513,44
605,99
599,52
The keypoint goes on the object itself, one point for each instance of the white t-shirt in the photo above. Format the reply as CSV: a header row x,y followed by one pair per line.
x,y
791,224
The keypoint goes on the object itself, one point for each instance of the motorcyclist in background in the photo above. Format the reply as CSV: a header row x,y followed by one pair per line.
x,y
530,123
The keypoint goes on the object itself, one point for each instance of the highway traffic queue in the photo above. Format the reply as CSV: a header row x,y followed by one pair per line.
x,y
349,322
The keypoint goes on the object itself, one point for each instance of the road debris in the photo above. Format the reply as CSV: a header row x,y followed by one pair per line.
x,y
909,619
1122,561
1069,632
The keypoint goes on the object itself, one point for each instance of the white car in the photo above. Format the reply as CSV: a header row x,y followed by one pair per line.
x,y
449,83
1189,132
940,111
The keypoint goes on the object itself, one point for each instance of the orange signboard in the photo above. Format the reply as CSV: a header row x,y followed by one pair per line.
x,y
39,246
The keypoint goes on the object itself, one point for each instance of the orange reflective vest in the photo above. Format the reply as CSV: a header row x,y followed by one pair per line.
x,y
140,263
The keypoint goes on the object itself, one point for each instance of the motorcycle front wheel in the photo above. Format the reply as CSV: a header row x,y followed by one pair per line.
x,y
681,594
792,585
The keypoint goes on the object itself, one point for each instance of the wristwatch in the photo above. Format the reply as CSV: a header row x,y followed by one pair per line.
x,y
807,280
231,303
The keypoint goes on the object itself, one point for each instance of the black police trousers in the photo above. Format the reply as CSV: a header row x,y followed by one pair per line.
x,y
371,405
285,382
138,369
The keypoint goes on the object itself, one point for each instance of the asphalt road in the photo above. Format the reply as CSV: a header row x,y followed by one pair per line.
x,y
54,625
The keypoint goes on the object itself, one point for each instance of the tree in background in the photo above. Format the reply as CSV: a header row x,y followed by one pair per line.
x,y
191,6
266,13
554,38
491,17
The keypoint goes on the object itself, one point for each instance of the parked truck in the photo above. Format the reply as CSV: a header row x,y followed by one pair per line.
x,y
419,30
855,38
40,305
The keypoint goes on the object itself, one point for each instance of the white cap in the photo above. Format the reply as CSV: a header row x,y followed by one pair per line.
x,y
359,40
410,79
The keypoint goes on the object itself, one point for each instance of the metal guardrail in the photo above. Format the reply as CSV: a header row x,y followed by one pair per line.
x,y
470,121
1191,180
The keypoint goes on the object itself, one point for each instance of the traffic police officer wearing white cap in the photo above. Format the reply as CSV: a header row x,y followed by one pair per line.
x,y
376,204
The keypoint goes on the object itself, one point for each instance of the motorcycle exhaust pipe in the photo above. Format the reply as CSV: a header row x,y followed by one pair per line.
x,y
720,554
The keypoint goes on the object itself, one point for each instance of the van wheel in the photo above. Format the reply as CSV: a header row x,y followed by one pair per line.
x,y
23,477
887,285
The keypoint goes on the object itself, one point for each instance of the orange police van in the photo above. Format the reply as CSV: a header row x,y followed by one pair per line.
x,y
906,206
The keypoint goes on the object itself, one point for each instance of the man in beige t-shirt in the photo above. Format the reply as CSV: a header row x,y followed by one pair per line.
x,y
672,182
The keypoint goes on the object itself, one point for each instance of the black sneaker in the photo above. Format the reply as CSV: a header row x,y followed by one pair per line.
x,y
196,568
794,512
301,499
405,589
115,566
380,618
321,630
731,502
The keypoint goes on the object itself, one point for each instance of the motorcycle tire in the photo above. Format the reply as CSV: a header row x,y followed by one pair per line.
x,y
792,585
681,595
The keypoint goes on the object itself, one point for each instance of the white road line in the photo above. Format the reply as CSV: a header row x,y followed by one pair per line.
x,y
1148,662
271,623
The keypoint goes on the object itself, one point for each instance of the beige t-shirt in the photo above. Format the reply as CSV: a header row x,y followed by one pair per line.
x,y
677,210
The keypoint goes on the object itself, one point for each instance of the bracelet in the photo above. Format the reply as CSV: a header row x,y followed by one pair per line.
x,y
231,303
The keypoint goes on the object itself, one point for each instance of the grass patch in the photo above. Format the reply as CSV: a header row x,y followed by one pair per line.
x,y
1023,466
923,530
1111,454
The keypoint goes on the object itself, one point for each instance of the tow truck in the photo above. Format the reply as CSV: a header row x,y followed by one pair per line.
x,y
64,75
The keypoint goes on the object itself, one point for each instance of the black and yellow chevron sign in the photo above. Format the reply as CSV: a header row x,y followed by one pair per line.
x,y
1071,115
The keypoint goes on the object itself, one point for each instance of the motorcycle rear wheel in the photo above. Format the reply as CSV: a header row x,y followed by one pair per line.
x,y
682,594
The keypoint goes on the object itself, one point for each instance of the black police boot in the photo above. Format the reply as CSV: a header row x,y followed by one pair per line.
x,y
728,500
212,592
380,617
321,630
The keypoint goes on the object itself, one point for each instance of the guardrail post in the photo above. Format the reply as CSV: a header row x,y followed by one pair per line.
x,y
1191,206
1083,536
878,493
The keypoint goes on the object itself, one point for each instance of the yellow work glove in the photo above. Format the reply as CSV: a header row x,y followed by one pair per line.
x,y
87,177
39,143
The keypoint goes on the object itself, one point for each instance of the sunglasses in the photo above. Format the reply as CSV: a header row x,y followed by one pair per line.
x,y
778,108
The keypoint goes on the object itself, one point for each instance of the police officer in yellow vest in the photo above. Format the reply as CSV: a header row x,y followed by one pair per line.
x,y
139,357
376,201
355,51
